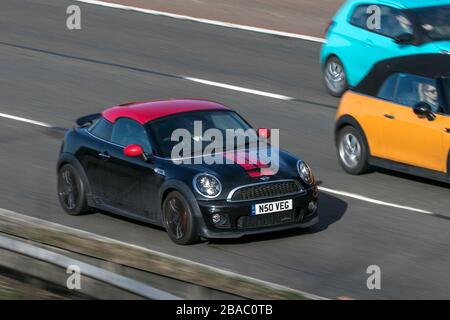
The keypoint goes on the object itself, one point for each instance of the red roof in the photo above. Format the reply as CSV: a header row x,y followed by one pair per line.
x,y
144,112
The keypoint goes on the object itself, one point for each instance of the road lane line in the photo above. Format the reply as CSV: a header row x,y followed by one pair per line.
x,y
175,76
366,199
337,192
206,21
38,123
241,89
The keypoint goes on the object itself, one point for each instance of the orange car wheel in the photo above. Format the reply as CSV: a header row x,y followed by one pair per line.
x,y
353,153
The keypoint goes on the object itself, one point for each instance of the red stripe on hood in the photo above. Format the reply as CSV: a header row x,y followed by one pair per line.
x,y
250,163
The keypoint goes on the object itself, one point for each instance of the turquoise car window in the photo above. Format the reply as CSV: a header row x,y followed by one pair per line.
x,y
392,21
388,89
435,21
359,17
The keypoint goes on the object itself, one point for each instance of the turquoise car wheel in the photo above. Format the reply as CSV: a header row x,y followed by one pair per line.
x,y
335,78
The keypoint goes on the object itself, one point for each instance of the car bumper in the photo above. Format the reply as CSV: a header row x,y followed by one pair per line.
x,y
241,222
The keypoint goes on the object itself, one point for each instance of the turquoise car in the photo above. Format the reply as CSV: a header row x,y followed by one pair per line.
x,y
364,32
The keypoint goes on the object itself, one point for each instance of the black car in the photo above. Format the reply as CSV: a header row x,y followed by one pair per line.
x,y
121,161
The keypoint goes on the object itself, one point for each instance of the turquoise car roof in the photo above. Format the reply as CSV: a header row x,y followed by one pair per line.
x,y
402,4
348,6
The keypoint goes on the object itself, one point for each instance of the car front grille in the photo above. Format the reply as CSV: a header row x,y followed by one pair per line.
x,y
265,190
268,220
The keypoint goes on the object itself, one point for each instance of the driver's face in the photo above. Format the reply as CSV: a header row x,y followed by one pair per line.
x,y
431,93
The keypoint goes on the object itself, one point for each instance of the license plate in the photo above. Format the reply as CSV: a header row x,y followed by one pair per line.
x,y
271,207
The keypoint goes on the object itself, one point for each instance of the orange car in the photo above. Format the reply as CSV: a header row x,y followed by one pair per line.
x,y
398,118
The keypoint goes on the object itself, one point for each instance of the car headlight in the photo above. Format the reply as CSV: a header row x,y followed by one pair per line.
x,y
305,172
207,185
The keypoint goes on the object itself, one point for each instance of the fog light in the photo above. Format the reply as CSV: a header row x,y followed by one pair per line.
x,y
216,218
312,206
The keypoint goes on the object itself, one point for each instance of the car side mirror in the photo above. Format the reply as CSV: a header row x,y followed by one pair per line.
x,y
133,151
423,109
404,38
264,132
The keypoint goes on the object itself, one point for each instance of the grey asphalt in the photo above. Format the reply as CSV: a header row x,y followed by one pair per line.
x,y
53,75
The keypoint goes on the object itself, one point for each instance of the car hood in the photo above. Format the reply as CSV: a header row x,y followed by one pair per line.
x,y
241,167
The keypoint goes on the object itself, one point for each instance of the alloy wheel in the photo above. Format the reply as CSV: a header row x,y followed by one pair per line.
x,y
350,150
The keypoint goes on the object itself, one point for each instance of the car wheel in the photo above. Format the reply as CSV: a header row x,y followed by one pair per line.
x,y
334,77
71,191
178,219
352,150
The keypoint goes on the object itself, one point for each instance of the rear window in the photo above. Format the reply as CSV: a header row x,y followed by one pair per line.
x,y
387,90
102,129
359,17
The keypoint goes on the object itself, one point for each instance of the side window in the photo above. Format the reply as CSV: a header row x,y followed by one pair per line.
x,y
359,17
102,129
127,131
387,90
446,94
392,21
412,89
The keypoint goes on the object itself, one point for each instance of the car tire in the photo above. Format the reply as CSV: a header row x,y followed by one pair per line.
x,y
352,151
179,220
71,191
334,77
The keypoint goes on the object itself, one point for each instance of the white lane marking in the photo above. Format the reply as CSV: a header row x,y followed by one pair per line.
x,y
366,199
38,123
341,193
206,21
241,89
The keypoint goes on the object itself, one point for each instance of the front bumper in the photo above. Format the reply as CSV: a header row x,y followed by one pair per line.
x,y
241,222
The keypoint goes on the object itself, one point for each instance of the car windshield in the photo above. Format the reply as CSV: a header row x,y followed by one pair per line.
x,y
166,133
434,21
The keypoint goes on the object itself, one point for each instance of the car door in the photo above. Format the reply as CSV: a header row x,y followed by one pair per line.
x,y
409,138
378,25
132,182
446,89
447,143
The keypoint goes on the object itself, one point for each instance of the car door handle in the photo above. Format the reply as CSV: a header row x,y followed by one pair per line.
x,y
369,43
447,130
389,116
104,155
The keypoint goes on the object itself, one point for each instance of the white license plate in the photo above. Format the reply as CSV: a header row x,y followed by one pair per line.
x,y
271,207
